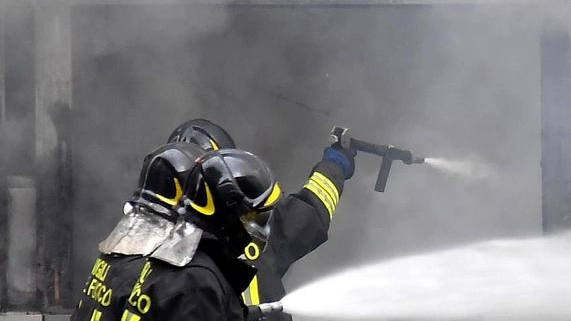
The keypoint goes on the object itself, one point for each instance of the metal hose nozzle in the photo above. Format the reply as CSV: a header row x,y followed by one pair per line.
x,y
418,160
258,312
271,307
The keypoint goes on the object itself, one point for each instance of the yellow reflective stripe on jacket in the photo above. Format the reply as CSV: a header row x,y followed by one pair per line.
x,y
130,316
330,187
96,315
251,295
322,195
325,190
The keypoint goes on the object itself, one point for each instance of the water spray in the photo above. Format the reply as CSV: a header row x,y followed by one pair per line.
x,y
464,168
498,280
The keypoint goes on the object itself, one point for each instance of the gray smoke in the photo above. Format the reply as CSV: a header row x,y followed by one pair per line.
x,y
452,82
447,81
444,81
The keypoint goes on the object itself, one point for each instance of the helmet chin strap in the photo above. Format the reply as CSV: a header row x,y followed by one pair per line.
x,y
237,241
233,234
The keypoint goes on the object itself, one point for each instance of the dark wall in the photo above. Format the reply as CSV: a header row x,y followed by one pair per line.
x,y
460,82
17,133
556,112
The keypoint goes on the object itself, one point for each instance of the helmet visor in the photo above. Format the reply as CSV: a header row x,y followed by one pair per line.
x,y
257,224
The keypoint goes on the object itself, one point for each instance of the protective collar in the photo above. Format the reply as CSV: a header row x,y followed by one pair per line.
x,y
180,245
140,232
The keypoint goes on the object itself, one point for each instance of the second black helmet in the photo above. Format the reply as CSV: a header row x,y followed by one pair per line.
x,y
206,134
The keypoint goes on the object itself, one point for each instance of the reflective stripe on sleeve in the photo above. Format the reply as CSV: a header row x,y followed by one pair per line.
x,y
328,183
251,295
325,190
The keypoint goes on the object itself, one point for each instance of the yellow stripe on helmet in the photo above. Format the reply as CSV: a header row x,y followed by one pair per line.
x,y
214,145
274,196
207,209
177,195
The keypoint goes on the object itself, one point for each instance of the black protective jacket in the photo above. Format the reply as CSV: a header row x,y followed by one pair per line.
x,y
108,287
133,288
207,288
300,224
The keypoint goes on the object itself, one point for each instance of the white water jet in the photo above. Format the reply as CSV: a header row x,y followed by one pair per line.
x,y
520,279
469,169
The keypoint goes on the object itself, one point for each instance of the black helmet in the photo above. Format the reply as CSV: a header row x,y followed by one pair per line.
x,y
231,193
163,177
203,132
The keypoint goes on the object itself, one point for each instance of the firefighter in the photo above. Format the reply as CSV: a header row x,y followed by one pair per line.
x,y
149,222
301,220
227,202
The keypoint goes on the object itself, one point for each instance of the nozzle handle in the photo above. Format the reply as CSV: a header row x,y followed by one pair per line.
x,y
383,175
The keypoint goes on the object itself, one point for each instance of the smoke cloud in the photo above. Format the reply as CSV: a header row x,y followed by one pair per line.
x,y
454,82
444,81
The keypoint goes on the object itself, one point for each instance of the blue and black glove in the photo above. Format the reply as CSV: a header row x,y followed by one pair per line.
x,y
343,157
